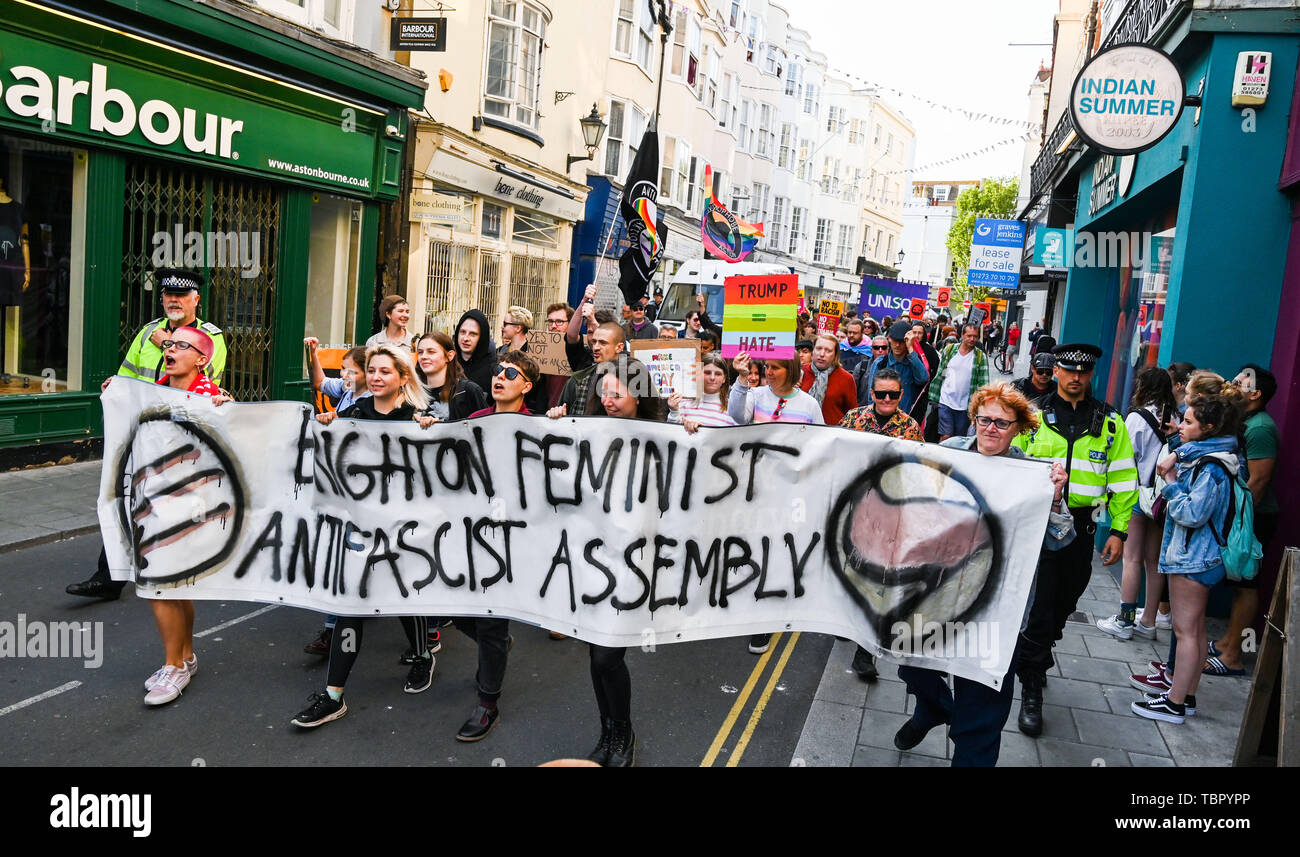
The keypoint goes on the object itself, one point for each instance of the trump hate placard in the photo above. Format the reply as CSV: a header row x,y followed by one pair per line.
x,y
759,315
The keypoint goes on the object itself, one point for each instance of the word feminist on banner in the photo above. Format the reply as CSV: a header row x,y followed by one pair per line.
x,y
759,316
604,529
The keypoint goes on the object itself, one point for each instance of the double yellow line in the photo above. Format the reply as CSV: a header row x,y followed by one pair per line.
x,y
759,707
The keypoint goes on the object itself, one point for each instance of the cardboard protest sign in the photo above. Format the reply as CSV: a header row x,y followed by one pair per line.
x,y
977,316
605,529
943,297
829,314
759,316
674,364
987,309
547,348
917,310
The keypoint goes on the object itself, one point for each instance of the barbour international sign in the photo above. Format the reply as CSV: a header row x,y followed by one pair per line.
x,y
69,94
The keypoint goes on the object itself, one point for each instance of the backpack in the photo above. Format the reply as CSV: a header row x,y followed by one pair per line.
x,y
1240,550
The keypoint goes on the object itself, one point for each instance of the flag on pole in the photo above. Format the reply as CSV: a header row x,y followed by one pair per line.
x,y
645,226
724,234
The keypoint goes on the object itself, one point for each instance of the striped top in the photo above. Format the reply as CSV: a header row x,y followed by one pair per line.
x,y
761,405
707,412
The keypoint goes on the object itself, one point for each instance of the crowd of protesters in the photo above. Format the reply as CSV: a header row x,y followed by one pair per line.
x,y
1163,473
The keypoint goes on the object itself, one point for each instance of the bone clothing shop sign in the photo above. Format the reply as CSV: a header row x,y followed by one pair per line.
x,y
619,532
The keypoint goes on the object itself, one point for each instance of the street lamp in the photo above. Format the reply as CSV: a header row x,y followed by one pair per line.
x,y
593,129
900,258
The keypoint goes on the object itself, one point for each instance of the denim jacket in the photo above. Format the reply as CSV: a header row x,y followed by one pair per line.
x,y
1188,546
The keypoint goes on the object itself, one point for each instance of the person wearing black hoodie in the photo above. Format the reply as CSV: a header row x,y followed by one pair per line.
x,y
475,350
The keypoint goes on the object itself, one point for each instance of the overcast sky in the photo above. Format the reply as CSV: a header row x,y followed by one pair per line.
x,y
954,52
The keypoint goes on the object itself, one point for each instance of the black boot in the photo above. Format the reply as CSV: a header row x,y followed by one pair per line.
x,y
622,745
1031,708
600,755
865,665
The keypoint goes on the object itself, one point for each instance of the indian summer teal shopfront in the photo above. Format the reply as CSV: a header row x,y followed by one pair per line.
x,y
175,133
1190,237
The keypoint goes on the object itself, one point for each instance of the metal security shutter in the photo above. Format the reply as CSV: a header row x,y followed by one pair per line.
x,y
160,197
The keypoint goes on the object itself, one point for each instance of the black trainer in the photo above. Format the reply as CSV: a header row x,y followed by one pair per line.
x,y
435,645
758,643
322,710
1189,703
420,676
1160,708
480,723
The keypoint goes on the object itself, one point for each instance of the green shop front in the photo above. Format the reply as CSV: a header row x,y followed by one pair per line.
x,y
154,133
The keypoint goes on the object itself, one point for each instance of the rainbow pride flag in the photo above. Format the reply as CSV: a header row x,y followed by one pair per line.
x,y
724,234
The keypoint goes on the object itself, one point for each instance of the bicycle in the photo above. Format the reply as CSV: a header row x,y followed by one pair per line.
x,y
1000,360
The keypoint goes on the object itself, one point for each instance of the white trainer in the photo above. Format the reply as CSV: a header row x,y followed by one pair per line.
x,y
1164,621
169,685
1111,625
191,667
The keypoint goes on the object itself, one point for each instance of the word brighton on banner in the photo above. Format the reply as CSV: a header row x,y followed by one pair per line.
x,y
613,531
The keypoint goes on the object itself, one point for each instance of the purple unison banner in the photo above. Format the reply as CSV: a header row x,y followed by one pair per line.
x,y
881,297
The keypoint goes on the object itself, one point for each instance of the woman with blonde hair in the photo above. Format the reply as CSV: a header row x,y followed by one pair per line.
x,y
396,394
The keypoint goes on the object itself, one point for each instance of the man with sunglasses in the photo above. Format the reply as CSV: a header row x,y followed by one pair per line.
x,y
1090,439
179,291
1038,383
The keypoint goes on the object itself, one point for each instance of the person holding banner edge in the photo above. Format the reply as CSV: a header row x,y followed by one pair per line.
x,y
396,394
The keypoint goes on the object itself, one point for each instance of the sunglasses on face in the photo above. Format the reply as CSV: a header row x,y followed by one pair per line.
x,y
510,324
1002,425
887,394
880,348
510,372
182,345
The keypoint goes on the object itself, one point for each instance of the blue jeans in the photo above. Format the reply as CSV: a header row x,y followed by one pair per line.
x,y
953,422
975,715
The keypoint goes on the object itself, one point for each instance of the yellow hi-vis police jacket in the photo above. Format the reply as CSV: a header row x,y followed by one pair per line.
x,y
143,359
1101,466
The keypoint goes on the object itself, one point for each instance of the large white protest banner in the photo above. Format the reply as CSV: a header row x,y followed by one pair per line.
x,y
619,532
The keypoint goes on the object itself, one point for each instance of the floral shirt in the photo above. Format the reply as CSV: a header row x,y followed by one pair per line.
x,y
899,425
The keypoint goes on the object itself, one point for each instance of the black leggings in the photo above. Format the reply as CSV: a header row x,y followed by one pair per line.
x,y
612,682
345,644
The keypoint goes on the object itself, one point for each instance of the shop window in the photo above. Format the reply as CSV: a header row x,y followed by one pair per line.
x,y
516,37
229,229
493,220
332,259
42,217
535,282
538,229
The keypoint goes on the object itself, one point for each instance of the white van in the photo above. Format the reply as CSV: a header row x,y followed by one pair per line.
x,y
707,276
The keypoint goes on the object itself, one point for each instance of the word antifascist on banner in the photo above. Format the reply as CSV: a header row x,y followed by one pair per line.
x,y
615,531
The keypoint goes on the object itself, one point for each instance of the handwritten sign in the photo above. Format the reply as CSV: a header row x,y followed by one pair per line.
x,y
675,366
547,348
759,316
610,530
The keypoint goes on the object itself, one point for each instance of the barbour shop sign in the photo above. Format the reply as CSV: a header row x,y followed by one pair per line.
x,y
112,111
176,104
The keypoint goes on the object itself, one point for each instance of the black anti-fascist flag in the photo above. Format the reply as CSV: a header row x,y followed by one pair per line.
x,y
645,226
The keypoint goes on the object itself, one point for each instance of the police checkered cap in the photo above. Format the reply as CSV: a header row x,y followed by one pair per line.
x,y
178,279
1076,357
